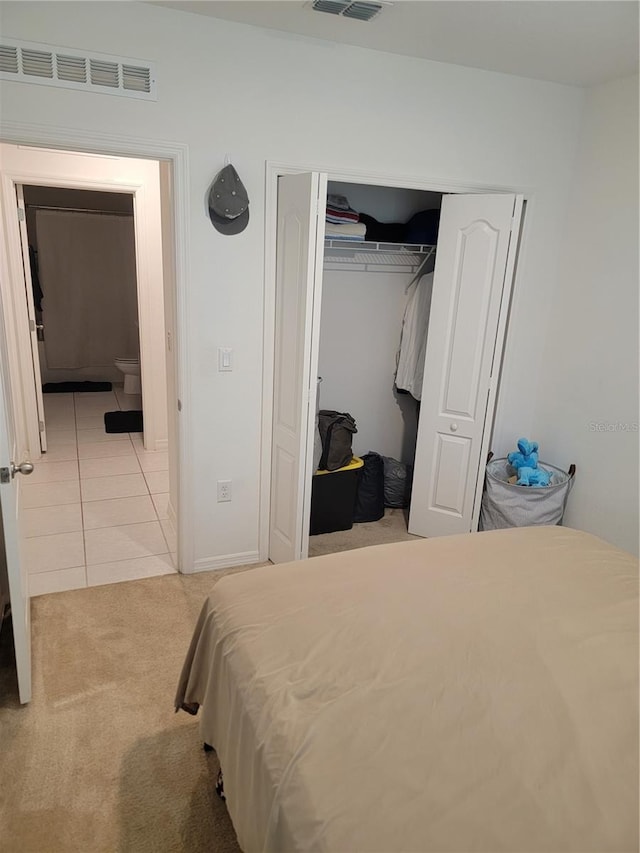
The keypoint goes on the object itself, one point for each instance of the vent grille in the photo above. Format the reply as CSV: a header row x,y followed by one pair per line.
x,y
136,78
359,11
104,73
72,68
68,68
362,11
37,63
8,59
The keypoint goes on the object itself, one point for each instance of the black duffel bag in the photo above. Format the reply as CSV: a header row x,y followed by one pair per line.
x,y
336,431
370,496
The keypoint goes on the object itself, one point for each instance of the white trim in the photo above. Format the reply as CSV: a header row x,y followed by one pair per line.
x,y
226,561
38,135
171,515
272,170
16,316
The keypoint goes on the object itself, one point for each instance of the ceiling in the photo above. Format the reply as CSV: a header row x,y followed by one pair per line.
x,y
579,42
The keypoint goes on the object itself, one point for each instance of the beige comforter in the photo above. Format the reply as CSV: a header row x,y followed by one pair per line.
x,y
467,693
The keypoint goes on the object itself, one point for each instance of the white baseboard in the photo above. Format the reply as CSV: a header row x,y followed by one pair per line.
x,y
226,561
161,444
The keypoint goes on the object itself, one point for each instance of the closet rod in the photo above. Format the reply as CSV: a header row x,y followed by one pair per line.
x,y
78,210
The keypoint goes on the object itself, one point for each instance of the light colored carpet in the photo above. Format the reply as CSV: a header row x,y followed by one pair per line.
x,y
99,761
391,528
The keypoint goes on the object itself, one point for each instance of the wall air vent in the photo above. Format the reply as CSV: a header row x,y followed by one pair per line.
x,y
359,11
26,62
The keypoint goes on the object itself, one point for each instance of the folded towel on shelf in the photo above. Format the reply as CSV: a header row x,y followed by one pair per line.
x,y
349,229
338,201
346,238
333,214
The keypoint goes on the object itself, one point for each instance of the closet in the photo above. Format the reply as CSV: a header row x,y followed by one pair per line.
x,y
366,288
338,315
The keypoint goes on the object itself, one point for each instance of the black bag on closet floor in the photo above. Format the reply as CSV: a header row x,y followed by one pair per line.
x,y
336,431
370,496
397,483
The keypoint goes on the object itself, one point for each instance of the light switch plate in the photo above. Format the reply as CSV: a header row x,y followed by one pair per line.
x,y
225,359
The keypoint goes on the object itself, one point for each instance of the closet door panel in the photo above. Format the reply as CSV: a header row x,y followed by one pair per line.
x,y
472,280
300,234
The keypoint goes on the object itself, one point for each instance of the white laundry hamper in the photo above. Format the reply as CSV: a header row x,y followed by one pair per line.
x,y
505,504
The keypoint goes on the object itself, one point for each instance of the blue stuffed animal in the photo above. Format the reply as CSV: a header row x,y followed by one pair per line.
x,y
533,477
527,457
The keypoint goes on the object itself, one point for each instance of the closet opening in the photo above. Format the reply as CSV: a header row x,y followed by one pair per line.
x,y
379,255
346,309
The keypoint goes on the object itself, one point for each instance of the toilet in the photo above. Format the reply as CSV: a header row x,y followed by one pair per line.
x,y
130,367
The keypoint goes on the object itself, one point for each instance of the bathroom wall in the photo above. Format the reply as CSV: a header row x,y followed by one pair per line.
x,y
117,304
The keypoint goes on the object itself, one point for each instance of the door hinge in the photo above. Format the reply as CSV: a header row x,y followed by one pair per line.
x,y
179,405
322,207
41,426
21,216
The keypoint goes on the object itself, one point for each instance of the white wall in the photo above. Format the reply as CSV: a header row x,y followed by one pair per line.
x,y
587,409
263,95
359,339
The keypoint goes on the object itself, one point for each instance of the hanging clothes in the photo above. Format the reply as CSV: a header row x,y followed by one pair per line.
x,y
413,343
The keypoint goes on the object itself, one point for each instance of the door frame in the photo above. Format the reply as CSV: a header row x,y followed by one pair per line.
x,y
175,283
145,262
273,170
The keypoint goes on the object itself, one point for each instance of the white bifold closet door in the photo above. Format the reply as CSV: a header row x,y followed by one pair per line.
x,y
473,276
475,261
299,259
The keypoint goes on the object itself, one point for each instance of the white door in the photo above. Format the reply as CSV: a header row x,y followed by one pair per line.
x,y
9,505
299,258
31,310
477,243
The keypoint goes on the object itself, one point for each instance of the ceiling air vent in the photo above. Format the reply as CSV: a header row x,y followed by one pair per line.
x,y
359,11
68,68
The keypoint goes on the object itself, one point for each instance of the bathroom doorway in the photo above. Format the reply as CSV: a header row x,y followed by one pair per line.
x,y
82,258
94,235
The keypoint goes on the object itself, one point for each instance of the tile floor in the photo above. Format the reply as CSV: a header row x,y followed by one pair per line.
x,y
95,507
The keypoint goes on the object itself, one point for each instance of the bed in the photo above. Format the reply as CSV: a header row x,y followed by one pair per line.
x,y
465,693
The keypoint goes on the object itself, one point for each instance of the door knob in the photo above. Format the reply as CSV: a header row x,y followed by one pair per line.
x,y
453,427
7,474
22,468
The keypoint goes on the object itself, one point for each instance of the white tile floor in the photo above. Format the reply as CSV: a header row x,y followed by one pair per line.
x,y
95,506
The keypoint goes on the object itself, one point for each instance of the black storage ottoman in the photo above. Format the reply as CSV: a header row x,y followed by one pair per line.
x,y
333,498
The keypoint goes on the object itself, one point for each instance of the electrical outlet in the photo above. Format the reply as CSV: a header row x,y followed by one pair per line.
x,y
224,490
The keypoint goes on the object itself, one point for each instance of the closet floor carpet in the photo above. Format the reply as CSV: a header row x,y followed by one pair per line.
x,y
99,761
391,528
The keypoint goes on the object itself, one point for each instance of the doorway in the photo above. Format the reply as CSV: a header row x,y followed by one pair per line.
x,y
101,505
472,283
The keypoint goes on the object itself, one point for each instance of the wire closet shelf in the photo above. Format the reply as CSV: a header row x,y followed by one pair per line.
x,y
376,257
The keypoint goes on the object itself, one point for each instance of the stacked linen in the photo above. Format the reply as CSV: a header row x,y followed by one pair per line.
x,y
342,222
